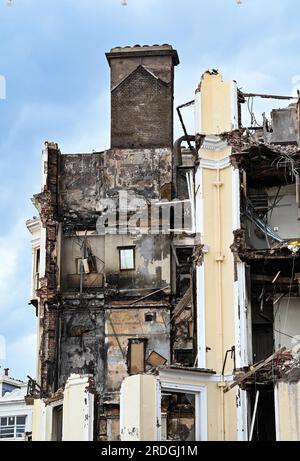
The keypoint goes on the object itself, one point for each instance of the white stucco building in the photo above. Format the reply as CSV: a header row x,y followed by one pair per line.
x,y
15,415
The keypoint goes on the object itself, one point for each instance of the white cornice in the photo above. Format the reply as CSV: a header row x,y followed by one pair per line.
x,y
33,225
213,164
215,143
180,376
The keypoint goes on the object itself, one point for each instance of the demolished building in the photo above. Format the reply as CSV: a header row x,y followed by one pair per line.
x,y
169,271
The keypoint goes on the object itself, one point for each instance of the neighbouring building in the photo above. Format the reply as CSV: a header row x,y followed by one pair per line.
x,y
165,274
15,415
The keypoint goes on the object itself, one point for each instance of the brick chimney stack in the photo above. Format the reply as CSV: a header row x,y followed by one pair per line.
x,y
142,92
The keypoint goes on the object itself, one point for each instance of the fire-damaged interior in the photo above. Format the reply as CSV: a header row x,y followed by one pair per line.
x,y
178,416
268,158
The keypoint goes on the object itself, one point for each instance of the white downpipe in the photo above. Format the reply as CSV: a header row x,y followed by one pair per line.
x,y
254,416
200,272
219,304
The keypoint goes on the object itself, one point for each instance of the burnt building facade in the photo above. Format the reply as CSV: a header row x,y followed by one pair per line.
x,y
166,274
104,274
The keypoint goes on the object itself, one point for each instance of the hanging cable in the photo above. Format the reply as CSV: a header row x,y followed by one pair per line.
x,y
290,291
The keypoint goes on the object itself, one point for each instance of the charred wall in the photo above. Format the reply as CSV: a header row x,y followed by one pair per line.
x,y
152,265
96,316
73,317
47,204
146,172
82,339
130,322
86,181
80,188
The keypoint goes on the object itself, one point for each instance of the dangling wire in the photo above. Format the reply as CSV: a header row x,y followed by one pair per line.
x,y
290,291
250,103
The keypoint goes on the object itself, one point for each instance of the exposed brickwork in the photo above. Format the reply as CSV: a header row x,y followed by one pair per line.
x,y
142,96
141,111
46,202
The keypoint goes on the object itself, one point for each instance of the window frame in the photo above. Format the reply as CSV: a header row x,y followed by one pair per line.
x,y
126,247
14,428
200,391
131,342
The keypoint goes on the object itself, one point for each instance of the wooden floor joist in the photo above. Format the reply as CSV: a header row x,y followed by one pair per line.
x,y
254,369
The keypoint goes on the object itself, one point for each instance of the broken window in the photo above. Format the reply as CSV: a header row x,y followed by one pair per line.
x,y
178,416
183,327
185,357
182,185
127,258
136,356
183,269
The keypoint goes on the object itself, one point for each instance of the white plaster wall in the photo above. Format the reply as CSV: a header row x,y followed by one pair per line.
x,y
287,404
287,321
41,422
139,411
285,215
78,410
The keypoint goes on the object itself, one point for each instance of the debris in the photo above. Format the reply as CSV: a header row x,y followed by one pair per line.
x,y
254,369
156,360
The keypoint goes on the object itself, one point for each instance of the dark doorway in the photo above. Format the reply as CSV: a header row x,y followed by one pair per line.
x,y
264,427
57,423
262,341
262,347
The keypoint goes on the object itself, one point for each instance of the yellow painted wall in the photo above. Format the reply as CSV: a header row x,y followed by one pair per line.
x,y
219,275
216,101
215,104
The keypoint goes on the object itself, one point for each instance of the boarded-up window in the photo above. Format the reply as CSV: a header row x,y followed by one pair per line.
x,y
155,359
136,356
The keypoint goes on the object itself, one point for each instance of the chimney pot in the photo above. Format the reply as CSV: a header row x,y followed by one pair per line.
x,y
6,370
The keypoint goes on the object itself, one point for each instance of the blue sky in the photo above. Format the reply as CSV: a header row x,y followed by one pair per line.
x,y
57,89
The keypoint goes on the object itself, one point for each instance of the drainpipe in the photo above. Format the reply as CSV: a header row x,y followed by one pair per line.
x,y
219,259
187,104
177,157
